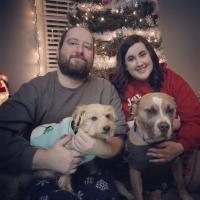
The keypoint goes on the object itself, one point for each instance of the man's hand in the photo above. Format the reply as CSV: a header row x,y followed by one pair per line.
x,y
165,152
86,144
58,158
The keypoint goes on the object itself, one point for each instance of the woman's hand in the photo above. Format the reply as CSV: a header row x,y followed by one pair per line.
x,y
177,123
165,152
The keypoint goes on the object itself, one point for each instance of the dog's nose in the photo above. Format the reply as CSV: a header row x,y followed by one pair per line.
x,y
106,129
163,127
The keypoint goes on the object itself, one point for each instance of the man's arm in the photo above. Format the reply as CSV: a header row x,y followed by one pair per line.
x,y
16,119
58,158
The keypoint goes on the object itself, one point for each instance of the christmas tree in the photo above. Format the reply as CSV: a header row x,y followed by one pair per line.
x,y
113,20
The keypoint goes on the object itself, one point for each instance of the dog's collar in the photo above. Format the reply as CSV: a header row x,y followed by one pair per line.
x,y
139,134
75,129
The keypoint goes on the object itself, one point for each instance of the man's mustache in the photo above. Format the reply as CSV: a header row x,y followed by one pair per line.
x,y
79,57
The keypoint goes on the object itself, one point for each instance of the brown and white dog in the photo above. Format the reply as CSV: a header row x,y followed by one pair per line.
x,y
155,114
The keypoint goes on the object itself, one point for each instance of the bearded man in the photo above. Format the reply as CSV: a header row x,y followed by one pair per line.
x,y
49,99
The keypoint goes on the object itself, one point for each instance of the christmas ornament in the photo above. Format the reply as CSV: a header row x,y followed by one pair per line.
x,y
149,20
105,2
4,93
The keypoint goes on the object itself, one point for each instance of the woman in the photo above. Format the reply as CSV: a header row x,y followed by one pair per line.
x,y
138,72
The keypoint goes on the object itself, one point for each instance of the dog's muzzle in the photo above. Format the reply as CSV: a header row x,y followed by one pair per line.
x,y
163,127
106,129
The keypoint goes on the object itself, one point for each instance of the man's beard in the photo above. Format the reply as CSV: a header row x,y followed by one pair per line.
x,y
79,69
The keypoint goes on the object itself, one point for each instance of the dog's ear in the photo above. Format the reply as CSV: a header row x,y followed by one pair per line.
x,y
173,104
136,107
77,117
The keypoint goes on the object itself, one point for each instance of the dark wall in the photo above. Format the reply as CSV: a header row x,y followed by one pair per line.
x,y
180,28
16,42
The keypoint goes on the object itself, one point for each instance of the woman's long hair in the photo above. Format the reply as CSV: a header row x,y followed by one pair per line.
x,y
121,77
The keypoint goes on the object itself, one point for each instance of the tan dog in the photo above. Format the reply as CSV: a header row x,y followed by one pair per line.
x,y
155,114
99,122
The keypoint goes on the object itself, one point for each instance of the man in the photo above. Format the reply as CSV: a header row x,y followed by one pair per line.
x,y
51,98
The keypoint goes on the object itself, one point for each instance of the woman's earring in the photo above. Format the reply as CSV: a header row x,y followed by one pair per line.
x,y
135,125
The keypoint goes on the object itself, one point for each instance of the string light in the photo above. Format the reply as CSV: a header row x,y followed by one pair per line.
x,y
31,18
102,19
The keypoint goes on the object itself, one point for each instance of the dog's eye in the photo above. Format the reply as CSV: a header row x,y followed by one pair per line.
x,y
94,118
108,116
170,110
151,111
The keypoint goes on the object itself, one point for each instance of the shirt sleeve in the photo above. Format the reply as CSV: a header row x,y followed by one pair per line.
x,y
16,120
113,99
188,108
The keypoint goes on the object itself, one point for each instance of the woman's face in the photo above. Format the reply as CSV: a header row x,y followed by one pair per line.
x,y
138,62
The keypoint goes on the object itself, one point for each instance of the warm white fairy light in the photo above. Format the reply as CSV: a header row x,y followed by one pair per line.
x,y
111,35
34,58
102,19
91,6
152,33
104,62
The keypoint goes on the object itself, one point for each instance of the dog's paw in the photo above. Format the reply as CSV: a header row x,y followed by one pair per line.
x,y
65,184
